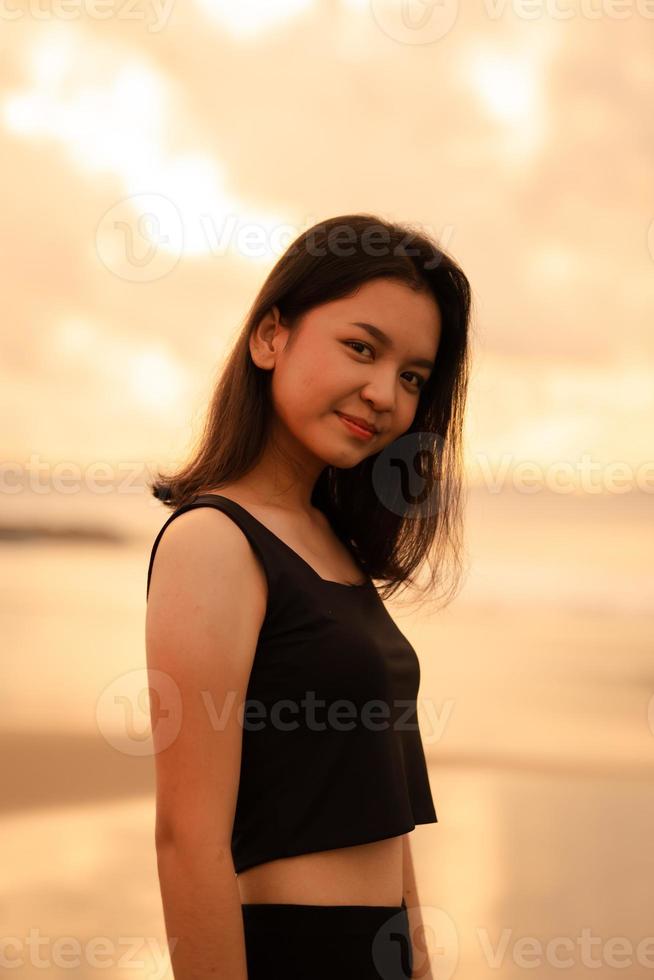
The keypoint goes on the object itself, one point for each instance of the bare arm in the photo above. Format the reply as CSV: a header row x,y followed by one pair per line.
x,y
201,634
421,965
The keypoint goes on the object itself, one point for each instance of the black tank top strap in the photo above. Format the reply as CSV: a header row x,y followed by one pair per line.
x,y
266,545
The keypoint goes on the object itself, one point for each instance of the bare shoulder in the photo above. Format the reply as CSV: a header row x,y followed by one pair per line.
x,y
203,551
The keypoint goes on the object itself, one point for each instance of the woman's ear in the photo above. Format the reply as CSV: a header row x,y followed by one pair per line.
x,y
268,339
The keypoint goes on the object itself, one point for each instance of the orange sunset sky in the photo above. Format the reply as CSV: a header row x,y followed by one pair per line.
x,y
138,149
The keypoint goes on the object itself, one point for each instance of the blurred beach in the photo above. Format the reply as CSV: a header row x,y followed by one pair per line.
x,y
535,690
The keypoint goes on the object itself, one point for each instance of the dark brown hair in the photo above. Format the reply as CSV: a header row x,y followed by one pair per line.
x,y
390,530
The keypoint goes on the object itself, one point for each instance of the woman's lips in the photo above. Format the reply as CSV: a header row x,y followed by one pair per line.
x,y
354,429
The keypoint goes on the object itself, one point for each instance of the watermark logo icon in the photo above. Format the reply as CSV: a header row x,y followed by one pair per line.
x,y
399,474
140,238
136,704
432,948
415,21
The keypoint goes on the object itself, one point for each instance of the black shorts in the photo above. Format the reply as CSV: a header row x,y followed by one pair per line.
x,y
327,942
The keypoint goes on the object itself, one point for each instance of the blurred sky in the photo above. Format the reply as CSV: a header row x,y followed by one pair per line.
x,y
135,137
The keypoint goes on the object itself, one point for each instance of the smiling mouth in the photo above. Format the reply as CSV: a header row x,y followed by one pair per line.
x,y
355,428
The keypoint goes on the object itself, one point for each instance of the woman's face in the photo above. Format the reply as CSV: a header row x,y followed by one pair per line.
x,y
329,365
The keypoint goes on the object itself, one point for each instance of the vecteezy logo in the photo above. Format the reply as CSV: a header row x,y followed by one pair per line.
x,y
136,704
397,474
415,21
140,238
400,952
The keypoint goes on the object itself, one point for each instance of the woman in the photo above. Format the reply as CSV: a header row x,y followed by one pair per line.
x,y
331,456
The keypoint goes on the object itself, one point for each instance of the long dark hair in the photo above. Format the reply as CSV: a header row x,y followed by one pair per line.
x,y
390,537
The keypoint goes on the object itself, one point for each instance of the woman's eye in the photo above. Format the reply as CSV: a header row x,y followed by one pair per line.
x,y
419,380
357,343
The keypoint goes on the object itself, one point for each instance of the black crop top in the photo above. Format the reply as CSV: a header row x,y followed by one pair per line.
x,y
331,753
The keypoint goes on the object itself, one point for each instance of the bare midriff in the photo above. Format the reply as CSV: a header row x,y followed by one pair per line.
x,y
364,874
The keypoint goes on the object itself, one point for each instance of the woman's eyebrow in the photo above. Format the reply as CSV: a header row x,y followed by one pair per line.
x,y
387,342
